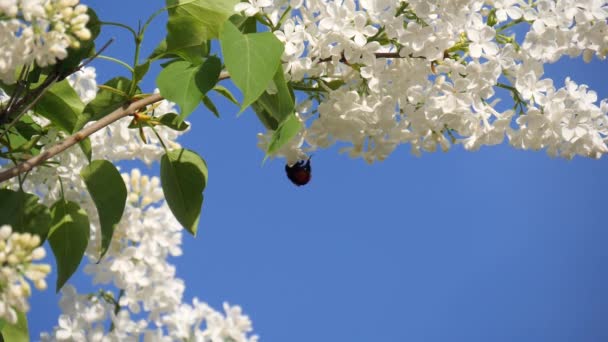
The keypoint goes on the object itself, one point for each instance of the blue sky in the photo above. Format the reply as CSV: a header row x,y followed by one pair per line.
x,y
495,245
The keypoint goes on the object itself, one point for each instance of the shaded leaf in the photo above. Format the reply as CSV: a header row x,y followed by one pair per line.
x,y
225,93
280,104
183,175
194,22
173,121
62,105
209,104
193,54
23,212
286,131
108,191
141,70
87,149
68,238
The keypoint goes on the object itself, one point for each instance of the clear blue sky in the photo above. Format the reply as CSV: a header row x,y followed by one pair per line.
x,y
496,245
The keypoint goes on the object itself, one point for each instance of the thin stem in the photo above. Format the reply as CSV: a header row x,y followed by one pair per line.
x,y
116,306
117,61
17,90
126,27
138,41
509,24
83,134
159,139
154,15
97,54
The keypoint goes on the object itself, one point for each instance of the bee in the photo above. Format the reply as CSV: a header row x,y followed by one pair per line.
x,y
299,173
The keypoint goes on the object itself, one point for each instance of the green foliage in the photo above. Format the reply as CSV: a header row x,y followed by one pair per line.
x,y
69,236
265,118
17,332
140,71
194,82
284,133
194,22
244,24
251,59
193,54
183,175
23,212
225,93
109,98
211,106
109,193
62,105
173,121
281,103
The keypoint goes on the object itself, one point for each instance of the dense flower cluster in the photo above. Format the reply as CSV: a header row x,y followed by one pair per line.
x,y
136,264
39,31
150,299
17,254
425,73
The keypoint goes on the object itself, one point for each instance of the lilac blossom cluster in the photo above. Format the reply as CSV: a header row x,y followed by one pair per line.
x,y
141,296
38,31
426,73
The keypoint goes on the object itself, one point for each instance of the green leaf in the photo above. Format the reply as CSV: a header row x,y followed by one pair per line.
x,y
251,59
183,175
265,118
225,93
210,69
23,212
244,24
87,149
68,237
194,82
106,101
109,193
280,104
193,54
141,70
172,121
17,332
285,132
62,105
209,104
193,22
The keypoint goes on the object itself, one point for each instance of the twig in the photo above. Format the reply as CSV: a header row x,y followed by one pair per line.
x,y
77,137
84,133
376,54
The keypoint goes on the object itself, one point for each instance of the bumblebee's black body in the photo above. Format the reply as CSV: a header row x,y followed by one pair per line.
x,y
299,173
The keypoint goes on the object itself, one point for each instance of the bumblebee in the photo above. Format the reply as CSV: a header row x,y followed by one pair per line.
x,y
299,173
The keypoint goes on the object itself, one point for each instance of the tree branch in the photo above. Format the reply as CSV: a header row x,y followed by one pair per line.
x,y
79,136
84,133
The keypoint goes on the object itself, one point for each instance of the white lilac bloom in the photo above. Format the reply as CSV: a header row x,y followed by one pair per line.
x,y
150,298
428,77
39,31
18,252
85,83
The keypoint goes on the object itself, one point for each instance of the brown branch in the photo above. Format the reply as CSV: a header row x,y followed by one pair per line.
x,y
84,133
376,54
77,137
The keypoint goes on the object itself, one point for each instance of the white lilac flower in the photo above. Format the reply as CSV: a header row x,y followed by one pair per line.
x,y
18,251
39,31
